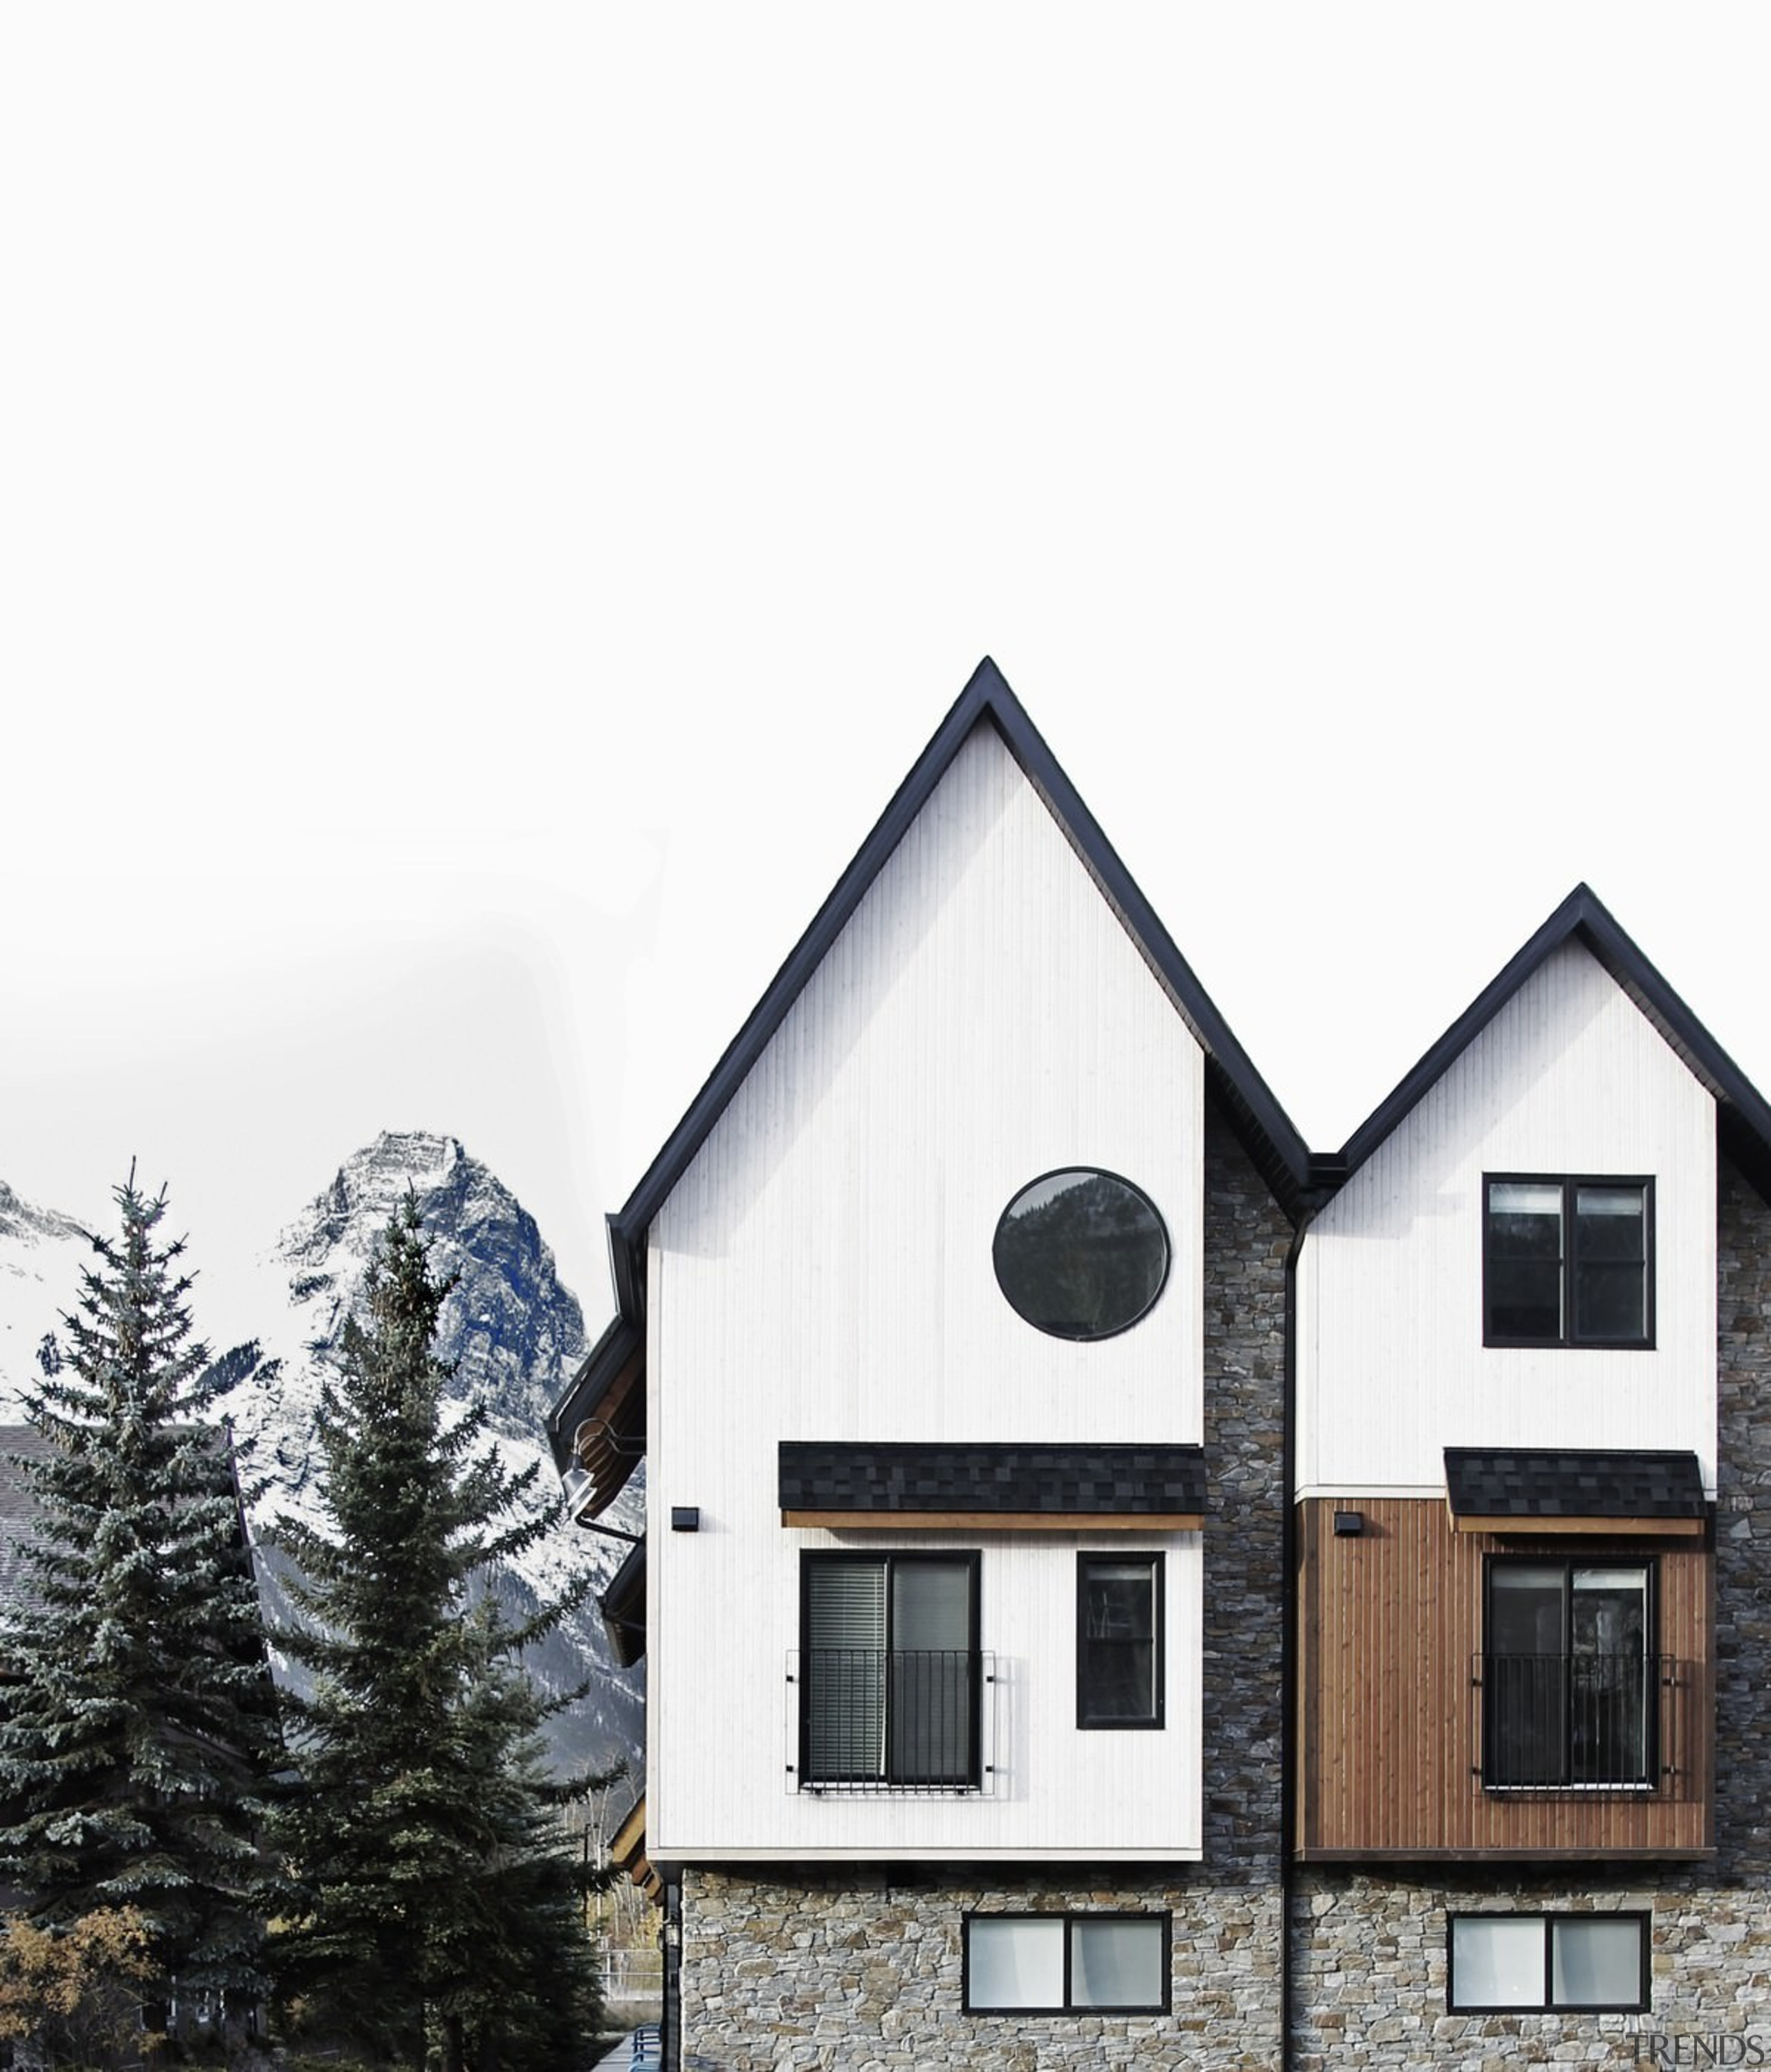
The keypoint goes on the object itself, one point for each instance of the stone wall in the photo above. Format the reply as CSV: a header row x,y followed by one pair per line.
x,y
861,1967
1247,1239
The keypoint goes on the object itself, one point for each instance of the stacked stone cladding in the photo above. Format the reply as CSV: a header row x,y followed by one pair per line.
x,y
1369,1977
838,1966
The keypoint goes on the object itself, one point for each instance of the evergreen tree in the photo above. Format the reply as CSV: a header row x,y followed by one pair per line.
x,y
139,1729
433,1881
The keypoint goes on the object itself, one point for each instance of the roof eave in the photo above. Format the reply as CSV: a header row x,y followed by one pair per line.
x,y
1744,1118
1279,1152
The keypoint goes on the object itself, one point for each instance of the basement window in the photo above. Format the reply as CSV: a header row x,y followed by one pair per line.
x,y
1555,1961
1063,1963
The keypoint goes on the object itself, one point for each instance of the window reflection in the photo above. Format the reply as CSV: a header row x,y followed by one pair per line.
x,y
1081,1254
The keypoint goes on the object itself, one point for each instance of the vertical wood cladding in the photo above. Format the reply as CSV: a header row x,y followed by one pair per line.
x,y
1389,1635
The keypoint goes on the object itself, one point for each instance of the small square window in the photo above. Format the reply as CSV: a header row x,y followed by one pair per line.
x,y
1119,1640
1568,1262
1058,1963
1558,1963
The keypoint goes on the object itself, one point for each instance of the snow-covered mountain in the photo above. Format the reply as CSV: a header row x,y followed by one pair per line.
x,y
41,1256
514,1331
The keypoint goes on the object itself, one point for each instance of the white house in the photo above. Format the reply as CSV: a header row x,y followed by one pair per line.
x,y
1117,1585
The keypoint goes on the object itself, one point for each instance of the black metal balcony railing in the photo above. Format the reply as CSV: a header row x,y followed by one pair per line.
x,y
900,1719
1575,1721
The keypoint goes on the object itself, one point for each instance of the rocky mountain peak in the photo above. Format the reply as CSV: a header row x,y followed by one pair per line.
x,y
512,1331
27,1224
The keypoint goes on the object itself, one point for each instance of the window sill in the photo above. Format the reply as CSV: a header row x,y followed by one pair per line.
x,y
1621,1790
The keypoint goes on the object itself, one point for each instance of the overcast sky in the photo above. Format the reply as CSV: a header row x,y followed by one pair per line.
x,y
493,500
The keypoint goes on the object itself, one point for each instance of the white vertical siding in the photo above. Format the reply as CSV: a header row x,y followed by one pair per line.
x,y
823,1271
1569,1078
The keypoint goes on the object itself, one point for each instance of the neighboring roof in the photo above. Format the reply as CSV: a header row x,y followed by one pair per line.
x,y
623,1608
1743,1116
627,1850
18,1508
1063,1479
607,1394
1574,1482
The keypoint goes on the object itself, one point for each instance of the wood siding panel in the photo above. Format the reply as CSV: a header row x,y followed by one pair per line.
x,y
1569,1078
822,1272
1391,1628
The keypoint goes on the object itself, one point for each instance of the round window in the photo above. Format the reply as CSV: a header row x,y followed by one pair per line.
x,y
1081,1254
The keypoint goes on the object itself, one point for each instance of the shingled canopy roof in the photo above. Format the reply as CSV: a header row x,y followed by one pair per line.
x,y
1055,1486
1491,1489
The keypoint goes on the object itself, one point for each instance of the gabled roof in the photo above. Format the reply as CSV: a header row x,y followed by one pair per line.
x,y
1743,1117
1264,1127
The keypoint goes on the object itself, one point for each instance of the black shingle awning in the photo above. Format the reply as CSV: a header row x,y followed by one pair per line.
x,y
1037,1484
1494,1489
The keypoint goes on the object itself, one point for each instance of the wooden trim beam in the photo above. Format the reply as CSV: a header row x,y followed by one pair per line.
x,y
1599,1856
1611,1528
999,1521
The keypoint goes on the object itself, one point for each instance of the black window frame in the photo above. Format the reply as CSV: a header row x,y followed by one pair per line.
x,y
1588,1556
1549,2004
1074,1333
888,1559
1086,1684
1570,1336
1069,2004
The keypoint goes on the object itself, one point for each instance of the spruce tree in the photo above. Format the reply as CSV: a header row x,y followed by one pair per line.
x,y
433,1879
139,1730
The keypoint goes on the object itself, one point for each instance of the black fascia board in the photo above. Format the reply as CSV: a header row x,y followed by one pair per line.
x,y
1743,1117
597,1371
1266,1130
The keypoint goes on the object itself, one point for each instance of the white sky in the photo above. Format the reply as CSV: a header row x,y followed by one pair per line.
x,y
492,500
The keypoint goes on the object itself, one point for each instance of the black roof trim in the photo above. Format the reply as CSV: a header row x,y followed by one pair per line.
x,y
1573,1481
1265,1129
1115,1481
1743,1117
